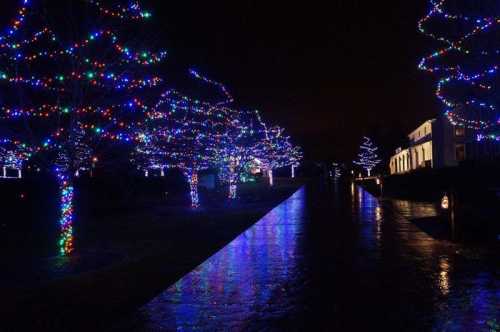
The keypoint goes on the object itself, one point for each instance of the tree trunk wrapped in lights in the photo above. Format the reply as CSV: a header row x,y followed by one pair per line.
x,y
192,178
233,182
270,176
66,192
70,80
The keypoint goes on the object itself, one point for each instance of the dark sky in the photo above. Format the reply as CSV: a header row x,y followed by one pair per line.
x,y
328,71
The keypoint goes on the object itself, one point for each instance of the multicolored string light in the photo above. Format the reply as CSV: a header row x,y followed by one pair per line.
x,y
183,133
276,151
66,190
467,64
228,97
243,134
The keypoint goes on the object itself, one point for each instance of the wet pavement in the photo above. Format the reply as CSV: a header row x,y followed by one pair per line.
x,y
333,257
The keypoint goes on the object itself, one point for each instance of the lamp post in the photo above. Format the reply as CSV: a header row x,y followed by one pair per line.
x,y
448,205
380,184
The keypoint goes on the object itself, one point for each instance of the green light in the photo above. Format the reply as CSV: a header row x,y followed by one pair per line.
x,y
90,75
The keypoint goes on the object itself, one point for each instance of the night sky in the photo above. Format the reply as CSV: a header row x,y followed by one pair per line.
x,y
329,73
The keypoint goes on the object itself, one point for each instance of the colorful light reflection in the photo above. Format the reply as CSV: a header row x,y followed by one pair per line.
x,y
225,291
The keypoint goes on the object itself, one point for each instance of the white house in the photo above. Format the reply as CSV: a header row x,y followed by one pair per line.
x,y
435,143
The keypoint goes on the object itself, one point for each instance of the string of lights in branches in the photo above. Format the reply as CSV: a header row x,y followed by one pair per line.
x,y
467,64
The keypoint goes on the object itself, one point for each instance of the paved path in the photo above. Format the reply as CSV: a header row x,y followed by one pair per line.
x,y
333,257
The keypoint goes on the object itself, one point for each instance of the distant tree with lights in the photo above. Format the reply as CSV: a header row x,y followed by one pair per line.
x,y
367,157
296,156
467,64
276,151
13,155
240,147
65,86
337,171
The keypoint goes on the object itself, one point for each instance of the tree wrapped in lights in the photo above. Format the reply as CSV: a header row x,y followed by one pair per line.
x,y
296,157
467,63
243,130
182,133
66,87
276,151
367,157
337,171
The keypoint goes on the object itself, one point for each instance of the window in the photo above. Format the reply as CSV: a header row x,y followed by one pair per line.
x,y
459,131
460,152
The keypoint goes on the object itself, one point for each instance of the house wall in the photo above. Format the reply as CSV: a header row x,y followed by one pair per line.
x,y
400,162
422,155
445,141
421,145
